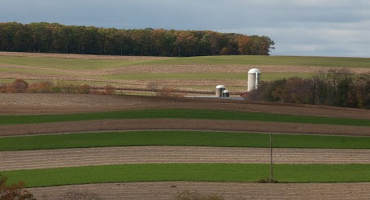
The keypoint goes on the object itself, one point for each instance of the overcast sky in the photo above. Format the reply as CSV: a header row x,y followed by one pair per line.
x,y
298,27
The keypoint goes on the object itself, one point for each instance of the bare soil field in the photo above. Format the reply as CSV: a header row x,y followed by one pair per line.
x,y
230,191
74,103
70,103
181,124
15,160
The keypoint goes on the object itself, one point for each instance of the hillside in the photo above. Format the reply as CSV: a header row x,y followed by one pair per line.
x,y
192,73
72,144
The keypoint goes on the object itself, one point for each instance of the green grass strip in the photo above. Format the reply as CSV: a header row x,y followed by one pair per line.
x,y
68,63
202,76
183,114
298,61
180,138
96,63
189,172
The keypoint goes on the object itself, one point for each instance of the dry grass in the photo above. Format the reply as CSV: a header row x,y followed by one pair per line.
x,y
80,56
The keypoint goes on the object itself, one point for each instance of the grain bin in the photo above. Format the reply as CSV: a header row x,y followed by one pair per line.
x,y
219,90
253,79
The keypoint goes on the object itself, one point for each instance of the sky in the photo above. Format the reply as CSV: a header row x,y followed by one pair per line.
x,y
298,27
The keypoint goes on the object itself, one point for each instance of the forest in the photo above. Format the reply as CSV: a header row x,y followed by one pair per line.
x,y
58,38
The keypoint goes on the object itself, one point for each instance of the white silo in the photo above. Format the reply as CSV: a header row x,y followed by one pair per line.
x,y
253,79
219,90
225,93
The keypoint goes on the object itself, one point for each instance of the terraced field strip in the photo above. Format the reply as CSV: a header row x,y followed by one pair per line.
x,y
14,160
298,61
230,191
268,76
81,63
210,172
181,124
40,103
182,114
180,138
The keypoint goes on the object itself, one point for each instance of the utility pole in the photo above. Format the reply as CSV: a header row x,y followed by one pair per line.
x,y
271,167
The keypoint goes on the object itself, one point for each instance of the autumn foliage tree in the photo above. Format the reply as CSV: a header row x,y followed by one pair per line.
x,y
53,37
13,191
335,87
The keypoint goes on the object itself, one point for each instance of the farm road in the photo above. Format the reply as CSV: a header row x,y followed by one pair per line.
x,y
230,191
13,160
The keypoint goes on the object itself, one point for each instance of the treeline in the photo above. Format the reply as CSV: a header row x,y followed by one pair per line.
x,y
57,38
335,88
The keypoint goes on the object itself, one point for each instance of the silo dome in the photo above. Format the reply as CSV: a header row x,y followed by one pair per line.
x,y
225,93
254,70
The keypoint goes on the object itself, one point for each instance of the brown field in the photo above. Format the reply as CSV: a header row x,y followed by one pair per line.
x,y
72,103
15,160
60,103
230,191
180,124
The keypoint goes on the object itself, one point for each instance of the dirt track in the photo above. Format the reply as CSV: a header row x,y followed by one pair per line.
x,y
230,191
14,160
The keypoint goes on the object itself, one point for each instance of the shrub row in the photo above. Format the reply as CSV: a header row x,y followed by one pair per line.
x,y
335,87
21,86
14,191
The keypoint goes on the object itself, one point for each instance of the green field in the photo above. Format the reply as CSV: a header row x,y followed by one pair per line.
x,y
67,63
82,63
202,76
180,138
190,172
272,60
181,114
